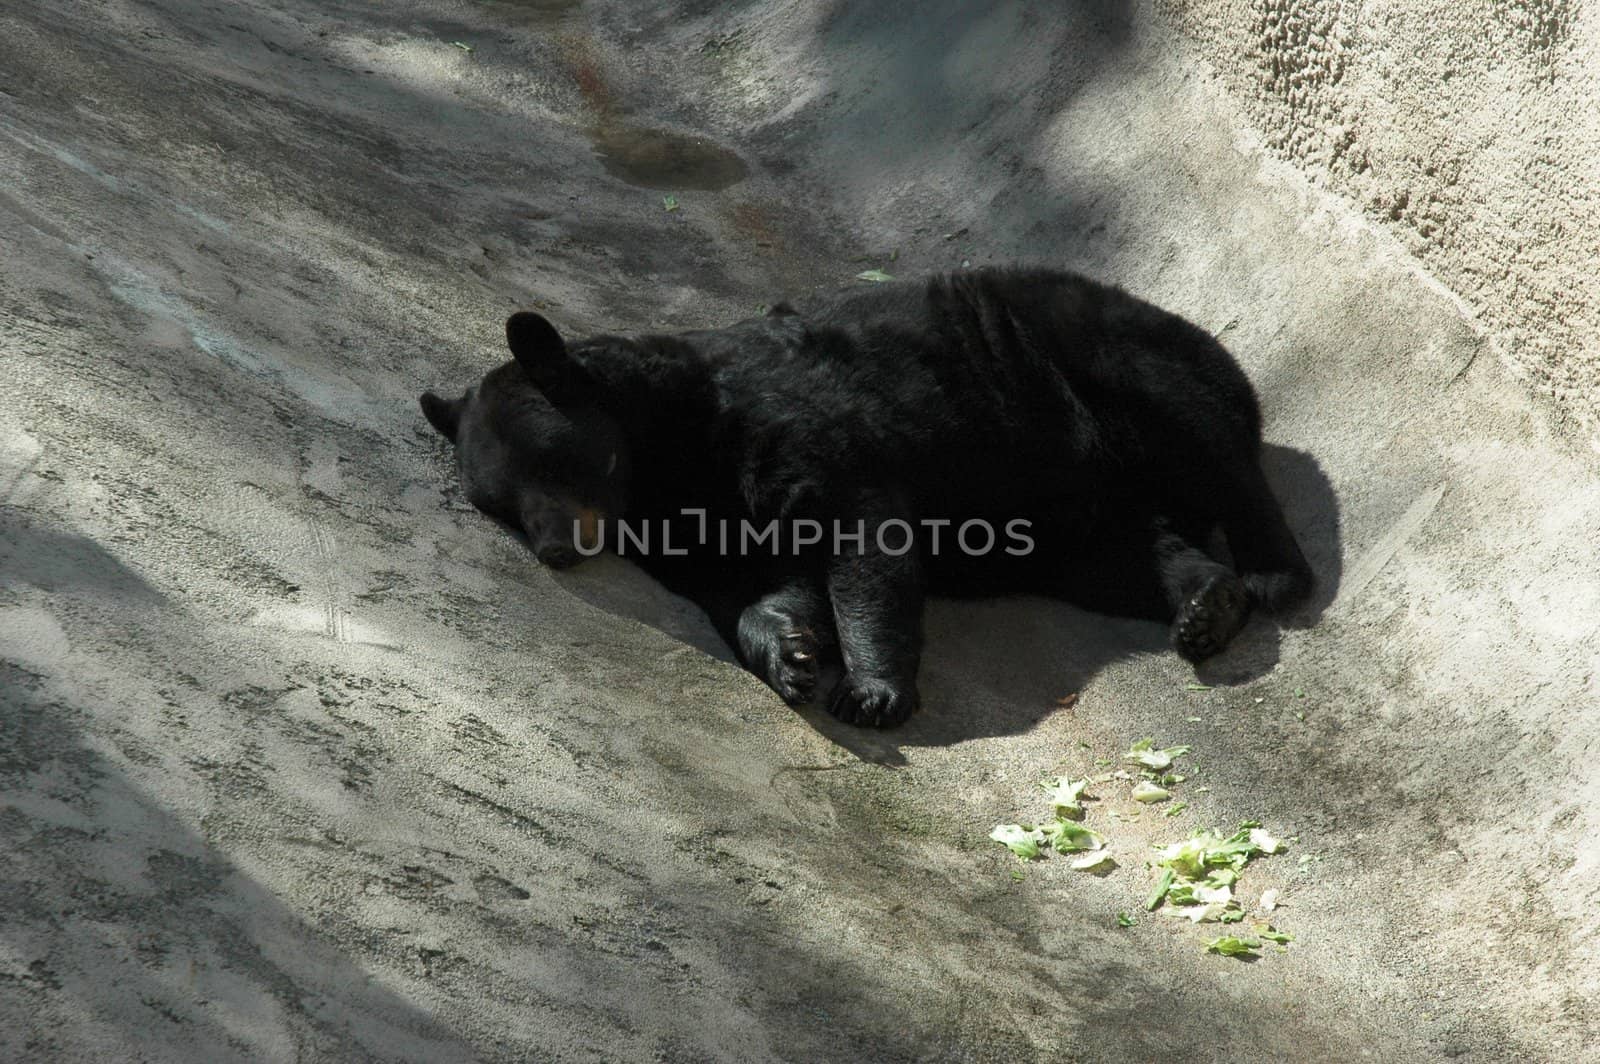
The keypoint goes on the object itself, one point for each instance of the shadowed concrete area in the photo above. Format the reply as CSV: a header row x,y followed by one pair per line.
x,y
300,758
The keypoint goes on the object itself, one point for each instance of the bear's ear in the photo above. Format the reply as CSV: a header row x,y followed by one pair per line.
x,y
542,354
442,414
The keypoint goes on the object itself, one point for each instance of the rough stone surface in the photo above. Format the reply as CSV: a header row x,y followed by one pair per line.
x,y
300,759
1466,128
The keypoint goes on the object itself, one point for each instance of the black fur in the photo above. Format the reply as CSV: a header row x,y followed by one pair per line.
x,y
1123,433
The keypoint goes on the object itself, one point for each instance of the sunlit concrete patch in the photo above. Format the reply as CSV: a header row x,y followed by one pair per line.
x,y
330,622
337,398
111,182
32,637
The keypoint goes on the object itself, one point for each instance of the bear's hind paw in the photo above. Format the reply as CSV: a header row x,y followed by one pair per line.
x,y
1210,618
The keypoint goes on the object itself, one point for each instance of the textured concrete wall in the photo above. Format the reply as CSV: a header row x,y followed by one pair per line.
x,y
1470,127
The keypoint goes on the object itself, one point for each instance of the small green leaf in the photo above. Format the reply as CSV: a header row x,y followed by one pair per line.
x,y
1145,791
874,275
669,202
1230,946
1064,795
463,45
1024,841
1143,752
1163,885
1280,937
1124,920
1068,837
1176,809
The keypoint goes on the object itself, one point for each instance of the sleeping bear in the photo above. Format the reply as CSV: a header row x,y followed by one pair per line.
x,y
809,475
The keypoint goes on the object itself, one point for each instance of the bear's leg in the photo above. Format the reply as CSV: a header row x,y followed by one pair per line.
x,y
1155,571
1270,562
1209,601
782,637
877,610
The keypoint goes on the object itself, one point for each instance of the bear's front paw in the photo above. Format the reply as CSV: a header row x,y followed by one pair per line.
x,y
792,667
873,703
1210,618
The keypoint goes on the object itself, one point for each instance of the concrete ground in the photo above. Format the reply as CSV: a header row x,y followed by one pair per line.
x,y
303,760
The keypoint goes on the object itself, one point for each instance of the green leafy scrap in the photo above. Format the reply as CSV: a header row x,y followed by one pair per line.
x,y
1229,946
1065,795
1066,837
1196,856
1023,840
1147,792
1163,885
1145,753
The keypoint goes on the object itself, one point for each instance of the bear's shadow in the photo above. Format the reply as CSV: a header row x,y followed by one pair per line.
x,y
999,666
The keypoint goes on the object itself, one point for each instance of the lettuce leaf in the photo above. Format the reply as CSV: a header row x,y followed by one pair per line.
x,y
1023,840
1229,946
1144,752
1064,796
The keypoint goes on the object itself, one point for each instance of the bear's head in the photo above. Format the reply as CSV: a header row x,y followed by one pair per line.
x,y
535,447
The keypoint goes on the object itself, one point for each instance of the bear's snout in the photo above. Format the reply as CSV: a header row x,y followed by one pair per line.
x,y
559,533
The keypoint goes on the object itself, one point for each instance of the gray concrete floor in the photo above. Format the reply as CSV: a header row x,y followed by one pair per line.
x,y
303,760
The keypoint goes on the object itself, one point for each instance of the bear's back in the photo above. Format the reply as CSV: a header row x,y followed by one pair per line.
x,y
984,383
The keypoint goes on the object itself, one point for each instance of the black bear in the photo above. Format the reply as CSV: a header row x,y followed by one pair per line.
x,y
986,431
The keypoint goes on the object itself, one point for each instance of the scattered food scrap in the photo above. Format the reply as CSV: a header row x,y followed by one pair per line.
x,y
1144,752
1145,791
1023,840
1197,877
1229,946
1064,797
